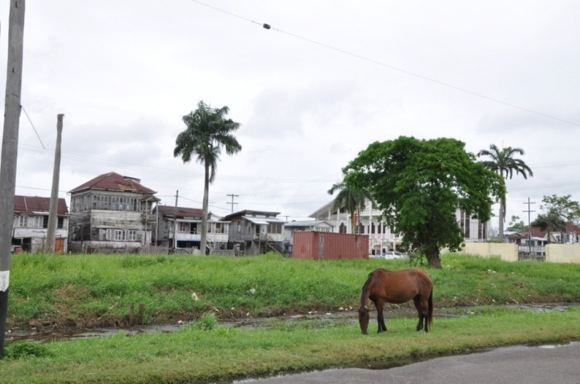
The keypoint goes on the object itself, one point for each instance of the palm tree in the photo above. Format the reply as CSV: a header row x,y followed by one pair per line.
x,y
207,132
353,200
503,162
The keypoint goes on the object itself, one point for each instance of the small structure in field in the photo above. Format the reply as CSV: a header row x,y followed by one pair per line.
x,y
329,245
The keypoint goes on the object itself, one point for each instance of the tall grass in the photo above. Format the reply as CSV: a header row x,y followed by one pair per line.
x,y
99,290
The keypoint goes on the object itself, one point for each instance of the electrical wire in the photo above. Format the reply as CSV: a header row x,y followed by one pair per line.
x,y
33,127
389,66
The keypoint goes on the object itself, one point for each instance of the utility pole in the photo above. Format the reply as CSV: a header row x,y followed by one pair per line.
x,y
232,202
528,211
53,211
174,247
10,153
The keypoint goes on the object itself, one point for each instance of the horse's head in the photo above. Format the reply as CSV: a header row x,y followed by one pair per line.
x,y
363,318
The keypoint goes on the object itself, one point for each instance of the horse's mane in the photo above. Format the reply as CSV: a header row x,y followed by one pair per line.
x,y
364,296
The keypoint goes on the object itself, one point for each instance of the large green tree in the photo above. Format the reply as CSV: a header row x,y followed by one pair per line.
x,y
550,222
349,198
559,210
567,209
504,162
420,184
207,132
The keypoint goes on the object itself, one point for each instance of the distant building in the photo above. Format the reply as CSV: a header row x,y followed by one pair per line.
x,y
188,229
473,230
254,232
370,222
31,223
111,213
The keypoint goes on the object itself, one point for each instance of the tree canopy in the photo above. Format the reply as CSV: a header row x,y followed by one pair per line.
x,y
420,184
559,211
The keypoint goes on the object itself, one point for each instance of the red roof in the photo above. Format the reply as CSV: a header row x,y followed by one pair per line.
x,y
168,211
30,204
114,182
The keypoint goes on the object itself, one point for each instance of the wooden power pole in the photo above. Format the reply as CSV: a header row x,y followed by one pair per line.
x,y
53,211
10,153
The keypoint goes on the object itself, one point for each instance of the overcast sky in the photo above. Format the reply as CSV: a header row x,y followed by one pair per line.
x,y
124,72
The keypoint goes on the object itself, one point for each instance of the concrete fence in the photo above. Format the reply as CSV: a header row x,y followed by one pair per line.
x,y
563,253
555,253
505,251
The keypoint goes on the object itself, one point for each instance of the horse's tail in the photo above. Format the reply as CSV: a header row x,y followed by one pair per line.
x,y
429,319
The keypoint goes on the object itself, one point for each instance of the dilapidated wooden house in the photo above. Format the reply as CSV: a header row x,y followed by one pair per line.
x,y
186,224
256,232
31,223
111,213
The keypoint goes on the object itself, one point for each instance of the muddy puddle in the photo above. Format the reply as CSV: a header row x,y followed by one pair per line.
x,y
346,316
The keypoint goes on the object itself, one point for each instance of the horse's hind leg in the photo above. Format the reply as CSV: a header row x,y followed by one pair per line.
x,y
422,311
380,304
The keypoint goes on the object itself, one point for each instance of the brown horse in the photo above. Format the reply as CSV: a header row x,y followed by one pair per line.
x,y
397,287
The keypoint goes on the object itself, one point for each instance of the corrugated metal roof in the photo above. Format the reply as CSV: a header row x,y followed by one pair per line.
x,y
256,220
168,211
30,204
246,213
114,182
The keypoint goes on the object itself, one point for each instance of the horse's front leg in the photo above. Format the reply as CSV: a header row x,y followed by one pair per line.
x,y
380,304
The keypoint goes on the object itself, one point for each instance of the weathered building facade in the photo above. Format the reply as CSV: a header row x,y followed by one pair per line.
x,y
31,223
111,213
255,232
186,224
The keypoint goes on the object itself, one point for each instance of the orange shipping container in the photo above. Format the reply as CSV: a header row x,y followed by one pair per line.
x,y
329,245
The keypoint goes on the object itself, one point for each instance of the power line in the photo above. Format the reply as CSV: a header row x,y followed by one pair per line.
x,y
388,66
33,127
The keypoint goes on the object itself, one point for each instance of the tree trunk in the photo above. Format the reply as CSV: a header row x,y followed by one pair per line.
x,y
353,222
203,244
502,209
433,257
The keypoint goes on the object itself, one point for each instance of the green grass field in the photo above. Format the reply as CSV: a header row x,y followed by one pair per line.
x,y
205,352
98,290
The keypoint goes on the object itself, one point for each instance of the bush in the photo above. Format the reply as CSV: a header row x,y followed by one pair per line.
x,y
206,322
25,350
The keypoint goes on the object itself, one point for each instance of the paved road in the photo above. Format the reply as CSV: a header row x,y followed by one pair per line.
x,y
512,365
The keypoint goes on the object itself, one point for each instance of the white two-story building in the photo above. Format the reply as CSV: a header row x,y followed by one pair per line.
x,y
31,224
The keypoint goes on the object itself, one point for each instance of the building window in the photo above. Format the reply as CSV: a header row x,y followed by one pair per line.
x,y
22,221
131,235
342,228
119,235
275,228
372,228
184,227
193,228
